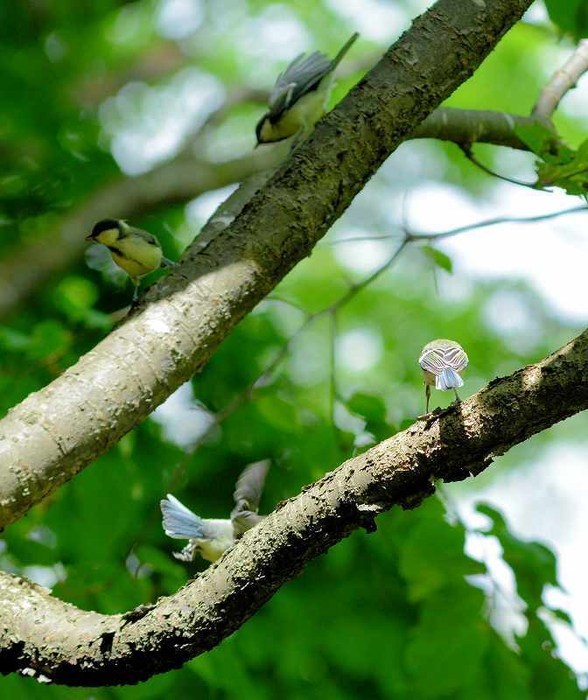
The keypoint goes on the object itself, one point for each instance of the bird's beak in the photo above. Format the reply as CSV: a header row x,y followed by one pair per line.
x,y
89,237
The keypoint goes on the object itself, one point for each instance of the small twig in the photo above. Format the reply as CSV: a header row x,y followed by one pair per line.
x,y
563,80
469,154
333,370
356,288
495,222
464,229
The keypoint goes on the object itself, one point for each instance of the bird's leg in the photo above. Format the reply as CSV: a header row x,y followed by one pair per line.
x,y
428,397
135,292
188,553
456,395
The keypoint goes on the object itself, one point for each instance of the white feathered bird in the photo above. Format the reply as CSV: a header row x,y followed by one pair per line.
x,y
442,362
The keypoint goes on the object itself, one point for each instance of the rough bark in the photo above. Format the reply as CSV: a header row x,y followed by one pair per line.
x,y
57,431
67,645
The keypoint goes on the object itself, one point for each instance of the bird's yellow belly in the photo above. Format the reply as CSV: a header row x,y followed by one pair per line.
x,y
308,110
138,260
211,551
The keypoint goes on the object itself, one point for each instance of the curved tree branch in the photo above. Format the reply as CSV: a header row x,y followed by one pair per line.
x,y
44,636
56,432
561,82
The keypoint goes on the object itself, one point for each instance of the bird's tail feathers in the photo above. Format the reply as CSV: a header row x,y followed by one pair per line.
x,y
180,522
448,379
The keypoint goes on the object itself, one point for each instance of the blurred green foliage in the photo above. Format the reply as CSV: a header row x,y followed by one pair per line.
x,y
397,614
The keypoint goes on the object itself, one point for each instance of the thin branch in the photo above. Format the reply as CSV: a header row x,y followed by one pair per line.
x,y
412,236
495,222
469,154
561,82
333,396
469,126
43,636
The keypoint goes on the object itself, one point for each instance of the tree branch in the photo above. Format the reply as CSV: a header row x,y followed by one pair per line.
x,y
56,432
468,126
561,82
74,647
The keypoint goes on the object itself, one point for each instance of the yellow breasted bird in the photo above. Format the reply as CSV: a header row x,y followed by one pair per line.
x,y
300,96
442,361
135,251
212,537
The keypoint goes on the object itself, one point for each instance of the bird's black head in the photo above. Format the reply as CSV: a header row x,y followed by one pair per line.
x,y
103,225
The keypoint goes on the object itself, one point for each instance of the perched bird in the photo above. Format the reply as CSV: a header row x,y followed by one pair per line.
x,y
136,251
442,361
210,537
300,96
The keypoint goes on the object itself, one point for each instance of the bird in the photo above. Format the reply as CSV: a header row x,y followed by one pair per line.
x,y
135,251
212,537
442,361
300,96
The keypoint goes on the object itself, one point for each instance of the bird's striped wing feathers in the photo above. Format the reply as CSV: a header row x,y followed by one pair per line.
x,y
437,359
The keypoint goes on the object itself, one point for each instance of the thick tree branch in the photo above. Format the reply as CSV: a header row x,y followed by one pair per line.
x,y
54,433
71,646
468,126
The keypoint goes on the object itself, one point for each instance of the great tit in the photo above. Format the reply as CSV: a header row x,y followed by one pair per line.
x,y
442,361
300,96
210,537
135,251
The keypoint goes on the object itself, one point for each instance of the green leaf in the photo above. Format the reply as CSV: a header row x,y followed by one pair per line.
x,y
571,16
368,406
448,645
540,139
533,563
372,409
562,616
550,676
571,177
432,555
50,341
438,257
13,341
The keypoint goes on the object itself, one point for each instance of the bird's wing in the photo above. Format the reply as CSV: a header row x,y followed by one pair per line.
x,y
145,235
301,76
456,358
436,360
433,360
249,487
